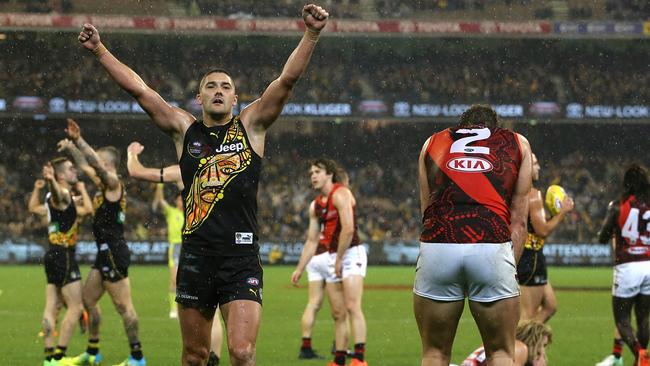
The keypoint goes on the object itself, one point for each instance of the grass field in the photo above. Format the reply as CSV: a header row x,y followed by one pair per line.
x,y
582,327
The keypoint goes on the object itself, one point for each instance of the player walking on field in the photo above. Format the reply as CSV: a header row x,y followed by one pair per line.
x,y
333,253
628,226
220,157
63,211
474,182
537,296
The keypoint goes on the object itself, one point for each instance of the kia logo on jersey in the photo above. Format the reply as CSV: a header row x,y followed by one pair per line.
x,y
469,164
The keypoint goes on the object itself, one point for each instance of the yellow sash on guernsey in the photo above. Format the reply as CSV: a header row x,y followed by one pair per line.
x,y
534,242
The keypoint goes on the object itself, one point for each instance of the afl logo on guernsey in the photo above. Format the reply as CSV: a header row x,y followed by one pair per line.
x,y
469,164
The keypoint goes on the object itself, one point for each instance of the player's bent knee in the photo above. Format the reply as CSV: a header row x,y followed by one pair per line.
x,y
242,351
195,355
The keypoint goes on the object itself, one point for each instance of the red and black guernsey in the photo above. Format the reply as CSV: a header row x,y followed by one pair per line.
x,y
221,174
477,171
108,223
328,217
632,232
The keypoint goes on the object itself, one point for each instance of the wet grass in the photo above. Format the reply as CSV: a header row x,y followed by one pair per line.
x,y
583,325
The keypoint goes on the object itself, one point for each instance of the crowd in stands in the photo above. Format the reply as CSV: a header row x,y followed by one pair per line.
x,y
353,9
342,70
381,160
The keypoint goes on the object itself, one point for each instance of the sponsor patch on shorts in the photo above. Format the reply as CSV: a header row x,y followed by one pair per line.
x,y
243,238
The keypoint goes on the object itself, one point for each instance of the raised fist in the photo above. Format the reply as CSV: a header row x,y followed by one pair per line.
x,y
89,36
80,186
48,171
135,148
39,184
73,130
315,17
64,145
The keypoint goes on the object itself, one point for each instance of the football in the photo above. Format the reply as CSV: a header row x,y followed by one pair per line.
x,y
554,196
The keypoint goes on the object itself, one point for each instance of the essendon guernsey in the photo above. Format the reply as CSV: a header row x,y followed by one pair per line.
x,y
328,217
477,170
632,234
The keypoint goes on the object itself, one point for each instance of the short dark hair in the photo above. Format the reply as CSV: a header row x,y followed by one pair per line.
x,y
635,182
57,164
113,153
479,114
213,71
329,165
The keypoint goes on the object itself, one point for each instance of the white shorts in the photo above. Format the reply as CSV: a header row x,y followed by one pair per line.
x,y
318,268
631,279
484,272
321,267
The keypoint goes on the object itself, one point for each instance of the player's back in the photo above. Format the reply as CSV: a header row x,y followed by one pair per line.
x,y
632,234
476,170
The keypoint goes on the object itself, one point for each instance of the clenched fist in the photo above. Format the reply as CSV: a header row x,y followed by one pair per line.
x,y
89,37
315,17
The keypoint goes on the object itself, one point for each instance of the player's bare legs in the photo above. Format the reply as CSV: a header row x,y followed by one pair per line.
x,y
195,330
339,314
497,323
71,294
216,335
353,293
548,306
437,322
49,314
242,318
531,299
120,292
92,292
316,291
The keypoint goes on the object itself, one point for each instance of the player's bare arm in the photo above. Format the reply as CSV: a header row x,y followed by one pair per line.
x,y
168,174
542,227
61,197
84,205
68,147
609,224
519,204
171,120
159,202
34,205
261,114
425,165
109,180
343,201
310,246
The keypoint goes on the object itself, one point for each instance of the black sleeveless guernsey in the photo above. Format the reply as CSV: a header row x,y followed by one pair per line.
x,y
220,174
108,223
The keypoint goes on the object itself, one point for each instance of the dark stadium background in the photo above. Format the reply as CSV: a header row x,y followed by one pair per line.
x,y
571,75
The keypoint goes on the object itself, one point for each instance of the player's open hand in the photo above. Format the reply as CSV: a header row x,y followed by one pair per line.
x,y
39,184
295,277
89,36
567,204
135,148
48,172
315,17
73,130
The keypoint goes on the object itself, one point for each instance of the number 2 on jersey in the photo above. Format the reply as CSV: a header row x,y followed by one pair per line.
x,y
461,145
630,229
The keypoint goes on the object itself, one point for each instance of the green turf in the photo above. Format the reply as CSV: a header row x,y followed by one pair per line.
x,y
583,325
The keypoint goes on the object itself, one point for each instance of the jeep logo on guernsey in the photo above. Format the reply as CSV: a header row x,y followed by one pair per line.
x,y
469,164
234,147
